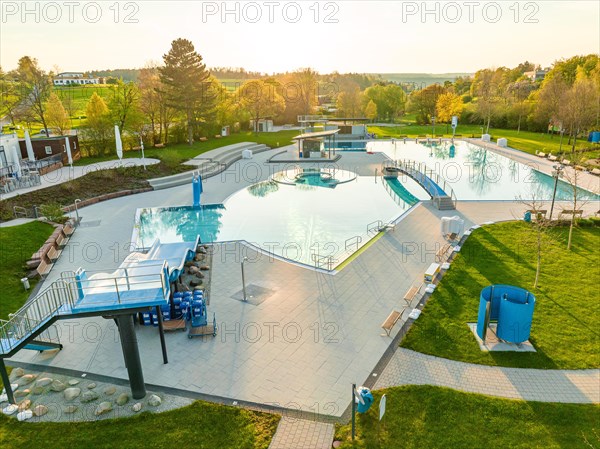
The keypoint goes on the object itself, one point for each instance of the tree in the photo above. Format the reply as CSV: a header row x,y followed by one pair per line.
x,y
573,178
10,97
150,99
390,100
36,88
424,102
99,125
518,93
261,99
349,100
57,116
448,105
183,78
124,104
549,99
578,108
371,110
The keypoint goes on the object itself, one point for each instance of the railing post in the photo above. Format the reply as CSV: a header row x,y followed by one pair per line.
x,y
117,289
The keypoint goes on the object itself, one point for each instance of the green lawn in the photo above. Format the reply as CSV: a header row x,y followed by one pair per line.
x,y
200,425
565,322
526,141
17,244
438,418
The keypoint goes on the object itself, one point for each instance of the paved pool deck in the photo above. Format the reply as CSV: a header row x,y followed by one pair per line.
x,y
313,335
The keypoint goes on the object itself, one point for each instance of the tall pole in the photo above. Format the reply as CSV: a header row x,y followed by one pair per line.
x,y
131,355
353,411
142,146
244,280
557,171
6,382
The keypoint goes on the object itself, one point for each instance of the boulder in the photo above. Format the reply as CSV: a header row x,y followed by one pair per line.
x,y
91,386
18,372
89,396
71,409
13,387
103,407
57,385
24,415
21,393
10,409
201,250
109,391
37,390
194,269
24,405
40,410
71,393
123,399
205,268
137,407
3,398
26,379
154,401
199,275
43,382
73,382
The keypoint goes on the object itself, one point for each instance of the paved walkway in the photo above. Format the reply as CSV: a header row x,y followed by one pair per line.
x,y
301,434
65,174
413,368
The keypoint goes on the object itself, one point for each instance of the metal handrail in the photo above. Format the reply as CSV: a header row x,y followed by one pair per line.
x,y
318,260
353,241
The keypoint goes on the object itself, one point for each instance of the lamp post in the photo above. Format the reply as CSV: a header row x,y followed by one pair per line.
x,y
77,212
245,298
556,173
433,126
142,147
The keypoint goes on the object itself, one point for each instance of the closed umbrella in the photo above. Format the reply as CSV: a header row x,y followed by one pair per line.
x,y
29,145
118,142
68,148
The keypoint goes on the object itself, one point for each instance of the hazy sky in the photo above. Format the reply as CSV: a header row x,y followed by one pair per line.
x,y
347,36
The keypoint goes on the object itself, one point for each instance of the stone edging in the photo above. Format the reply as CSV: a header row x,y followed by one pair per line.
x,y
106,197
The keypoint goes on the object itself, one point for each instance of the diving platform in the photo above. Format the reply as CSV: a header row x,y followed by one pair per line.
x,y
142,282
434,184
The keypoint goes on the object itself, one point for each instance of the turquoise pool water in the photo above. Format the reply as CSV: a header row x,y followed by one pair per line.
x,y
475,173
305,223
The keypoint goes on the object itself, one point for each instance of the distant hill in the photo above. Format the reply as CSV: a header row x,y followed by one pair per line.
x,y
420,79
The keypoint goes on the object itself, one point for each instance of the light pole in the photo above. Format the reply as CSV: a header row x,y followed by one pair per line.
x,y
433,126
77,212
245,298
556,173
142,146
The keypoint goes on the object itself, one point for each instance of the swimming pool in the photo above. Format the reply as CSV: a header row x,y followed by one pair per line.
x,y
476,173
316,225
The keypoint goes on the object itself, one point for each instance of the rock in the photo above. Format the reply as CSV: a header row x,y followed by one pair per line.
x,y
57,385
71,409
24,405
71,393
21,393
195,282
205,268
18,372
89,396
154,401
137,407
40,410
199,275
37,390
103,407
91,386
123,399
10,409
43,382
26,379
199,257
194,270
3,398
24,415
201,250
109,391
73,382
189,263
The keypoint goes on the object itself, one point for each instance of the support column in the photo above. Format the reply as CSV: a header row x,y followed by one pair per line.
x,y
6,382
132,356
161,331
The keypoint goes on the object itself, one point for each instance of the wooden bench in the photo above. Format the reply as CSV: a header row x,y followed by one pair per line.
x,y
54,254
411,293
68,230
203,139
159,145
44,268
442,252
62,240
538,213
218,136
571,212
391,321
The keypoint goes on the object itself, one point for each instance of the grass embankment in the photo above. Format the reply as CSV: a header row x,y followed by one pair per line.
x,y
17,244
526,141
564,331
438,418
125,178
200,425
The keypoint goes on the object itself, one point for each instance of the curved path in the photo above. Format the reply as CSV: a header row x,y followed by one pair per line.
x,y
408,367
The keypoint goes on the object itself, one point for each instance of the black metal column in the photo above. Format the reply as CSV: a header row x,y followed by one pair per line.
x,y
161,332
6,382
132,356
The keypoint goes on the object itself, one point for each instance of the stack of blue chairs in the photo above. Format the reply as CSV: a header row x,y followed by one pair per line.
x,y
177,298
147,318
198,310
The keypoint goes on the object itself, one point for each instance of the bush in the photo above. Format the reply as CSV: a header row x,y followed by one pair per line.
x,y
52,212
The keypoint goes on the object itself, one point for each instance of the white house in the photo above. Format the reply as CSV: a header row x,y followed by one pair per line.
x,y
10,154
66,78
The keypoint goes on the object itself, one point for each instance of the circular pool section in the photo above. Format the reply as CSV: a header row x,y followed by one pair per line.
x,y
310,224
317,177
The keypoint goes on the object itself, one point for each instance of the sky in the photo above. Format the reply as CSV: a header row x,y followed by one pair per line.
x,y
277,36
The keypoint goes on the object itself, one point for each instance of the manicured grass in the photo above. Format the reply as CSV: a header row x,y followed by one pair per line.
x,y
565,322
200,425
17,244
178,153
526,141
438,418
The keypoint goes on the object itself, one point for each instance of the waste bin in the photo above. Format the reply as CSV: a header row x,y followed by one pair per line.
x,y
25,283
367,398
527,217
